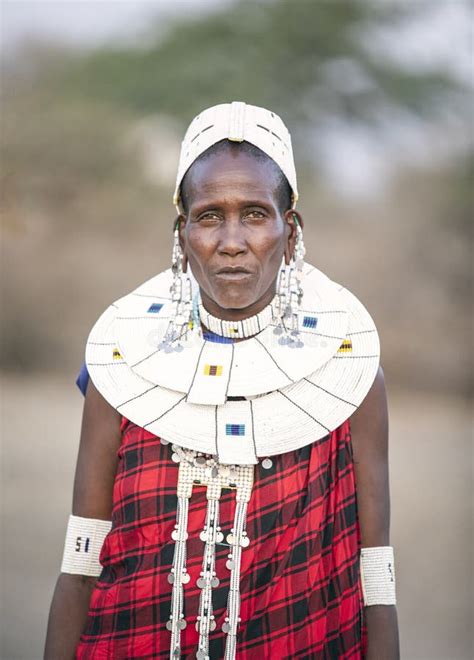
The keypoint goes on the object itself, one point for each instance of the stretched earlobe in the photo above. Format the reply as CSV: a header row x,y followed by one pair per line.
x,y
178,232
295,222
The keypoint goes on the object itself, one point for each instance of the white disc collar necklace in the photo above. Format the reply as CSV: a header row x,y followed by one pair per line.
x,y
239,400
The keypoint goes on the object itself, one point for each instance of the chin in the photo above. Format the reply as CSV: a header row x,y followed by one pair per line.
x,y
237,300
234,295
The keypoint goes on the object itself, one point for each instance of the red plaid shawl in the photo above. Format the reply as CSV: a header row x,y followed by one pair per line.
x,y
300,587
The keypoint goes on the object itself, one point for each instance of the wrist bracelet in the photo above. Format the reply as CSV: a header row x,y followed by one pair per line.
x,y
377,572
84,540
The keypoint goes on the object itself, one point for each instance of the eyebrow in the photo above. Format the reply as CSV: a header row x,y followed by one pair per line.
x,y
219,206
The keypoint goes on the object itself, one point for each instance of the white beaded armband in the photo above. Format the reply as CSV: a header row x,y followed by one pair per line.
x,y
84,540
377,572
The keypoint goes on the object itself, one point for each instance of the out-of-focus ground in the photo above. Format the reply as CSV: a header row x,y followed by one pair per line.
x,y
431,513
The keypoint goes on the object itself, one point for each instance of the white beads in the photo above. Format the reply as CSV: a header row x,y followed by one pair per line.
x,y
238,329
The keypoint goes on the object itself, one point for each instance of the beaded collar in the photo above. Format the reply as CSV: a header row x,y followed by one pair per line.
x,y
239,401
238,329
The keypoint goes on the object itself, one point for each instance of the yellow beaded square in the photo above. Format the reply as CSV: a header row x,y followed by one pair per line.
x,y
213,370
346,346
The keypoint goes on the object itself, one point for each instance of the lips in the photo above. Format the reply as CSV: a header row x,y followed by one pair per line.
x,y
233,273
233,270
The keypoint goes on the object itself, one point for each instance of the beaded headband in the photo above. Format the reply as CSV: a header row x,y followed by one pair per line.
x,y
238,122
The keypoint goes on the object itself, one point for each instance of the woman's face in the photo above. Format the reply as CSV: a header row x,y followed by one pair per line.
x,y
234,235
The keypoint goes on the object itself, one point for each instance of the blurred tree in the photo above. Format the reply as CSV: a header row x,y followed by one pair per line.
x,y
306,59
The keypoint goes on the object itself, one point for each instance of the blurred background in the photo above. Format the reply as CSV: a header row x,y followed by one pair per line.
x,y
377,96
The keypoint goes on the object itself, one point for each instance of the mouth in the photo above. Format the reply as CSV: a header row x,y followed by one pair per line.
x,y
233,273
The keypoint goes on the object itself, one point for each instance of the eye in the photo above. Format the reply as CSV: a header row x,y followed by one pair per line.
x,y
254,214
208,218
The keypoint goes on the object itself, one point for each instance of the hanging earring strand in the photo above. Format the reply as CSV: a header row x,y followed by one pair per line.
x,y
290,294
181,321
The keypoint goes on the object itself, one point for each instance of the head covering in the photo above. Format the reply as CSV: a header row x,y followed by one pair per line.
x,y
238,122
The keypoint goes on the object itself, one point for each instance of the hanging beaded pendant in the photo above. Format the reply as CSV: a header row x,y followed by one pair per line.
x,y
206,470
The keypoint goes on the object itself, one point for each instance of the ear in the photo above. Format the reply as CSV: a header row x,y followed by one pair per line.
x,y
292,218
179,224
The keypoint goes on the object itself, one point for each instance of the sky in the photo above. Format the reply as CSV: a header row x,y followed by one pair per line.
x,y
443,32
88,22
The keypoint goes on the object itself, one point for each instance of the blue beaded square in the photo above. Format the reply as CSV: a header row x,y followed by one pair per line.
x,y
155,308
235,429
310,322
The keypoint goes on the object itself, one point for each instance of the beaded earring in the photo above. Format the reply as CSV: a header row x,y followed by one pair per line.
x,y
290,294
181,317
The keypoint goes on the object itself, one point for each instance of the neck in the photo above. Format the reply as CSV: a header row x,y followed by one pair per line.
x,y
237,314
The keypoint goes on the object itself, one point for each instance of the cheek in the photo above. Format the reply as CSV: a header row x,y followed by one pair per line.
x,y
272,244
198,243
199,250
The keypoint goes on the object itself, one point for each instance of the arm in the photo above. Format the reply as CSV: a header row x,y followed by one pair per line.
x,y
369,426
93,486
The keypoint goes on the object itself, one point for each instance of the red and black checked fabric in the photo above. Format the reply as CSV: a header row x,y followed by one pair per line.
x,y
300,586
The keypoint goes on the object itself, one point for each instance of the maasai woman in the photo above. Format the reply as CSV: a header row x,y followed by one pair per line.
x,y
231,495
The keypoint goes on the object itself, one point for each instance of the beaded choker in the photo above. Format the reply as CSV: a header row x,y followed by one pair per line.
x,y
238,329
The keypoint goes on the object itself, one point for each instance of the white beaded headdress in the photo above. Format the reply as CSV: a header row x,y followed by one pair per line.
x,y
238,122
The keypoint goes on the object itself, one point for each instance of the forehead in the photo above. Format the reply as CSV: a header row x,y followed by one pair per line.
x,y
231,173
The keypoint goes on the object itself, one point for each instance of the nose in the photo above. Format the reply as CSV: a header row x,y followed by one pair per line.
x,y
232,239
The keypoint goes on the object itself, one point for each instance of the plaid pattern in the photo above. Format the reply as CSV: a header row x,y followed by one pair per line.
x,y
300,586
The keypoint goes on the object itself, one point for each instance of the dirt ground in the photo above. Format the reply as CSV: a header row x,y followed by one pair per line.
x,y
431,514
